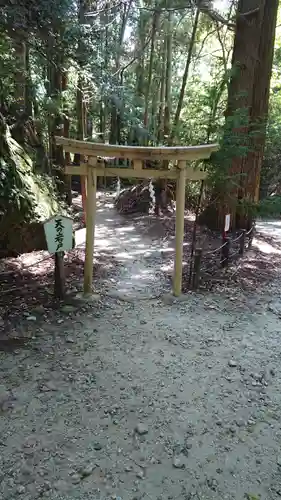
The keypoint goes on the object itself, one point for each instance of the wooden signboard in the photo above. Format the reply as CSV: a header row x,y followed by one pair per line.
x,y
58,232
227,223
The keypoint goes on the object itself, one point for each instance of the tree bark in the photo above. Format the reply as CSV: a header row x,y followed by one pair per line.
x,y
260,101
155,23
185,75
20,76
160,134
246,114
168,77
117,112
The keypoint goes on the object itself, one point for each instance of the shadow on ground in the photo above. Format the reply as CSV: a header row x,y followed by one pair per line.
x,y
124,244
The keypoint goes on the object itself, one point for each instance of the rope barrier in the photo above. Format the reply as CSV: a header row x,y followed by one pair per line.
x,y
22,269
211,252
238,238
233,254
250,230
226,256
34,264
222,261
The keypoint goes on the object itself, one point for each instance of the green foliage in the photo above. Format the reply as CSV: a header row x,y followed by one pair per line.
x,y
271,173
25,197
83,42
269,207
16,197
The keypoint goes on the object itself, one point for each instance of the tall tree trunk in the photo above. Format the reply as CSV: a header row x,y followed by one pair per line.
x,y
155,23
240,96
160,134
135,136
260,101
66,126
55,89
168,77
80,103
185,75
20,76
116,112
246,113
104,103
28,87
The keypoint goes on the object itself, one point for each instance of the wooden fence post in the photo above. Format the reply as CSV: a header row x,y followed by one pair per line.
x,y
196,268
90,226
59,288
251,237
180,206
225,251
242,242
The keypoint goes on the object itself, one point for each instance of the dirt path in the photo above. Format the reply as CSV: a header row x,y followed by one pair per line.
x,y
130,398
138,257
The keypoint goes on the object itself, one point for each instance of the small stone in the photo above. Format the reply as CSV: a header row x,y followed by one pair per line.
x,y
272,372
279,461
31,318
20,489
76,478
140,474
48,386
67,308
141,429
232,363
38,310
59,485
87,471
240,423
97,446
212,483
178,463
70,340
258,461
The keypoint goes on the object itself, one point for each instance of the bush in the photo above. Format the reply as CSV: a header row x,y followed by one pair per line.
x,y
270,207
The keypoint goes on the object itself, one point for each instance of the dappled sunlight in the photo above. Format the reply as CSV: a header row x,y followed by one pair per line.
x,y
167,268
132,254
265,247
166,249
143,274
126,229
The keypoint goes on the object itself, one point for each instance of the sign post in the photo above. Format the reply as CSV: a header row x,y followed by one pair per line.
x,y
226,223
58,232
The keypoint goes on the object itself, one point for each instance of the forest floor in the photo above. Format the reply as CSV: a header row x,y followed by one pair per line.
x,y
137,395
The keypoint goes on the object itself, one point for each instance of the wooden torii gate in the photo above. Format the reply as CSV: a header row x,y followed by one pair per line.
x,y
91,169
